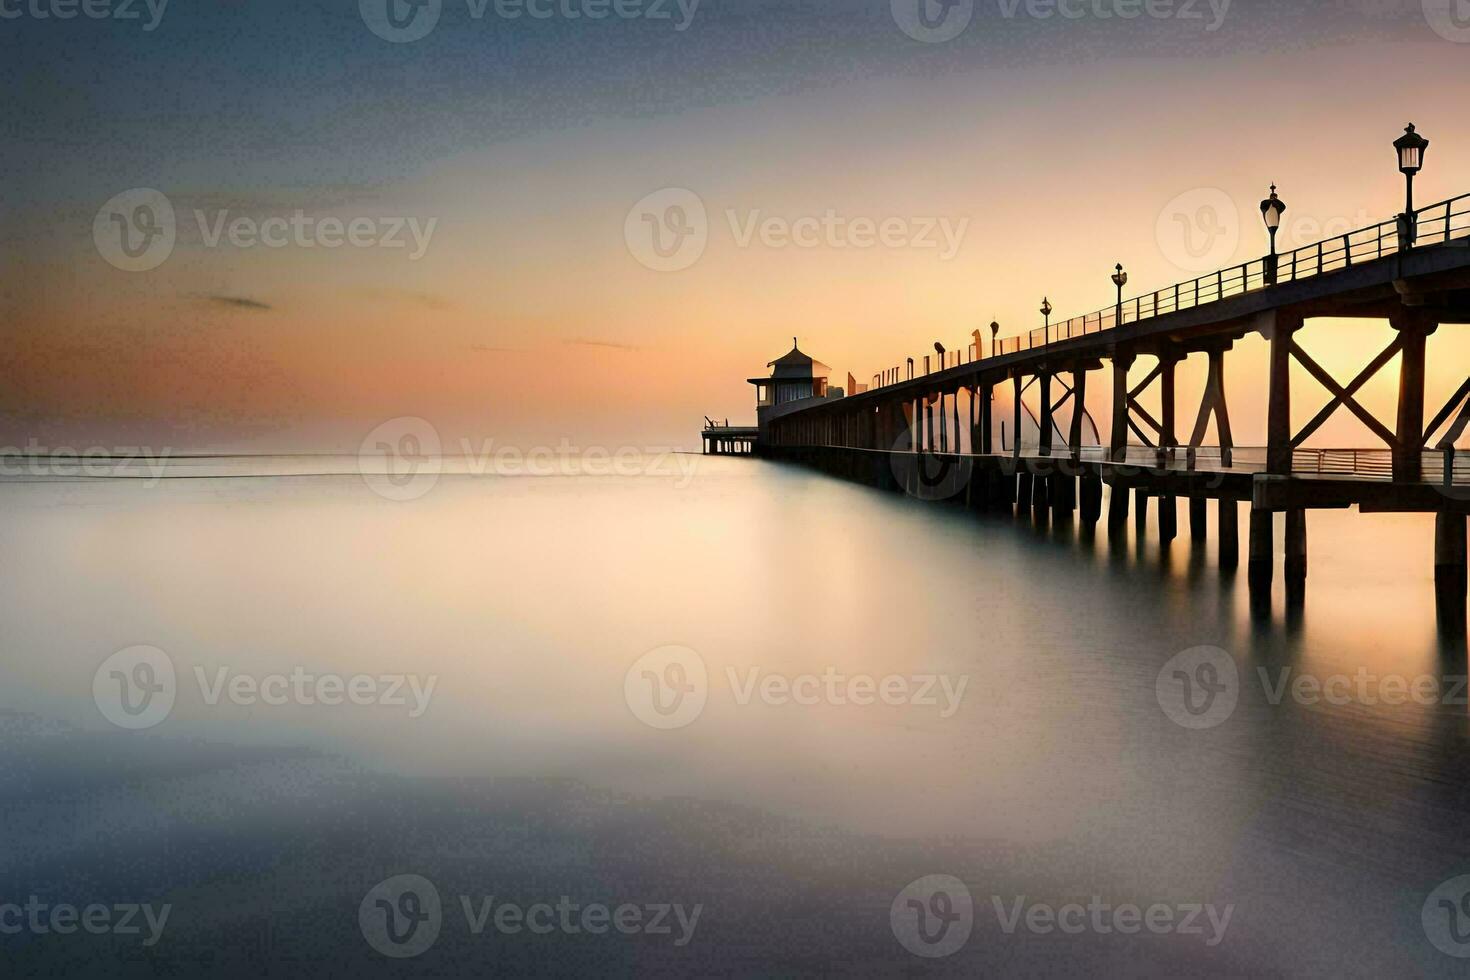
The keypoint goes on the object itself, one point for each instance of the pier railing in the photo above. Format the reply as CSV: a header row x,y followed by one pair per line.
x,y
1438,466
1434,225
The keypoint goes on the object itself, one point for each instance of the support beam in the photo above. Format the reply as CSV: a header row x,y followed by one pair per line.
x,y
1117,507
1140,513
1045,422
1414,327
987,393
1450,571
1262,564
1168,437
1278,415
1016,428
1229,534
1168,519
1079,410
1090,492
1118,434
1296,546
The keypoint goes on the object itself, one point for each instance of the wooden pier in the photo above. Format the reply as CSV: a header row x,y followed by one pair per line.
x,y
934,435
729,440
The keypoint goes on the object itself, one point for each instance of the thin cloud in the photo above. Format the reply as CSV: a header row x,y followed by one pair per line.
x,y
604,344
240,302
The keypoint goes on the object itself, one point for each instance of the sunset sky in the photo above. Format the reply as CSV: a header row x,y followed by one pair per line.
x,y
520,147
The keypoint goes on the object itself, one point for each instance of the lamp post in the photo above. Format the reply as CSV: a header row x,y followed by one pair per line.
x,y
1120,279
1410,148
994,333
1272,208
1046,315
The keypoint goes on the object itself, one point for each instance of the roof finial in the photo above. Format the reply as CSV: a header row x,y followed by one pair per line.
x,y
794,343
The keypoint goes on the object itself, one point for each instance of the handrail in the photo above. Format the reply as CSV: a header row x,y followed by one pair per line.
x,y
1433,225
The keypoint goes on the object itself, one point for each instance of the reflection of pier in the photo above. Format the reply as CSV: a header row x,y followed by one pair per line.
x,y
933,434
729,440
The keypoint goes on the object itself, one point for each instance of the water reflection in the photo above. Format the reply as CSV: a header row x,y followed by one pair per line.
x,y
1324,820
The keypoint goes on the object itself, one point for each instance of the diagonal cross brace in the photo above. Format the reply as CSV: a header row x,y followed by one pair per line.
x,y
1458,428
1344,396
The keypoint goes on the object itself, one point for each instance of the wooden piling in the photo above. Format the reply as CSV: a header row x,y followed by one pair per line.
x,y
1450,571
1117,507
1296,545
1262,562
1229,534
1168,519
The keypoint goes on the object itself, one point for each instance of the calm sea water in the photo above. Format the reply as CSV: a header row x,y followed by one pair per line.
x,y
1028,736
